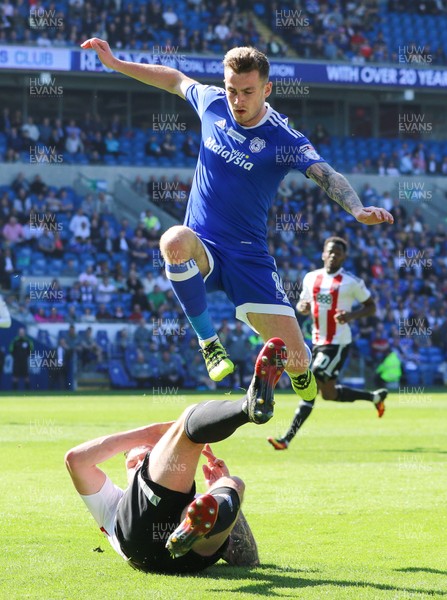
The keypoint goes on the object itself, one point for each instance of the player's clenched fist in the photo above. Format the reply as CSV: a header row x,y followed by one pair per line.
x,y
102,49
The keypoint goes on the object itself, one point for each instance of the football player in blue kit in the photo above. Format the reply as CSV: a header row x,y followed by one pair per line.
x,y
247,148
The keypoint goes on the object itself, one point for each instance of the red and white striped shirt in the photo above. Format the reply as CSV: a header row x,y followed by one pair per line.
x,y
329,293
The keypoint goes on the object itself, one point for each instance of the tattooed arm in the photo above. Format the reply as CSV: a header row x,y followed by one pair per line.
x,y
338,188
242,550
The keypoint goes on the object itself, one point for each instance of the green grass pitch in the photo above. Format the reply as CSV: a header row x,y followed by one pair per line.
x,y
356,508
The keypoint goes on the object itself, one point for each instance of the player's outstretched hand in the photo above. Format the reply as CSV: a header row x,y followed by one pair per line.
x,y
102,49
215,467
372,215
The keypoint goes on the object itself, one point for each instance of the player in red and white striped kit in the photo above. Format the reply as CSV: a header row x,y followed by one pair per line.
x,y
329,294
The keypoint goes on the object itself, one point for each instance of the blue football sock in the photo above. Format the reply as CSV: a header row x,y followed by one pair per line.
x,y
189,287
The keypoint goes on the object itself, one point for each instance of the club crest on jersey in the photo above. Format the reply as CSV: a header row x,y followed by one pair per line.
x,y
257,144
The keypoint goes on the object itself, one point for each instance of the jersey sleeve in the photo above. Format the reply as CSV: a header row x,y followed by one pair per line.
x,y
304,154
306,293
200,96
361,292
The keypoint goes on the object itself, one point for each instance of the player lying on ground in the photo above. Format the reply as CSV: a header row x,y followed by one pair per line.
x,y
247,148
161,466
328,294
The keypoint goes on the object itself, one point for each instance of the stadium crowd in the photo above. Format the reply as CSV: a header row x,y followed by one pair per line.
x,y
117,276
331,30
98,141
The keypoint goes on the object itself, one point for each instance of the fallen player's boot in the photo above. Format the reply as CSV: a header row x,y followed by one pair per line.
x,y
268,369
200,519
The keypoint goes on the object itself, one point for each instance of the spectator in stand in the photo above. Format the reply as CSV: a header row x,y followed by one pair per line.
x,y
222,31
119,314
90,351
45,131
20,183
142,337
170,19
152,147
156,298
168,147
419,160
55,316
198,374
112,145
105,291
66,202
72,315
104,203
392,170
274,47
121,243
15,140
432,165
57,139
170,370
38,186
30,131
142,371
52,201
80,226
102,314
195,42
41,316
97,148
73,144
148,282
139,186
136,315
406,164
139,247
379,344
22,203
190,148
320,134
133,282
140,298
88,206
122,340
88,316
46,243
107,242
88,277
13,232
151,224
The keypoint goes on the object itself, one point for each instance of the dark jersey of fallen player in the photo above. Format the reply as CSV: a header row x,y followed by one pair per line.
x,y
239,170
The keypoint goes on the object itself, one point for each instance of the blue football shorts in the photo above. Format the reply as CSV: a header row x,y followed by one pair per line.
x,y
250,281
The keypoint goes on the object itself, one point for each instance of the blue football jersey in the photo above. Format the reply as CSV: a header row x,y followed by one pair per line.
x,y
239,170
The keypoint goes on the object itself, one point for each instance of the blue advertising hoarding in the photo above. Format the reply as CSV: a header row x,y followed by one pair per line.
x,y
200,67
